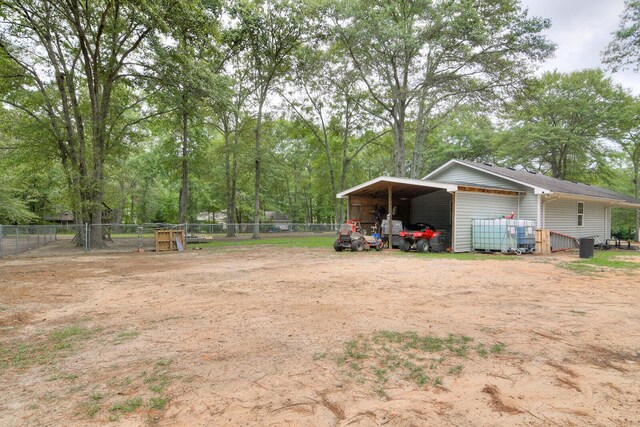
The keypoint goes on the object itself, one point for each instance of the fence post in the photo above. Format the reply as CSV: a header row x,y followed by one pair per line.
x,y
17,231
1,236
87,234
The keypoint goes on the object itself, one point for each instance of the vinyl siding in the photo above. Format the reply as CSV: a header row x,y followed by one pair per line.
x,y
561,215
434,209
470,206
528,206
460,173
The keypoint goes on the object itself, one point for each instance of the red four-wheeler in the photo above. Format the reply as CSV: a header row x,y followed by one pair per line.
x,y
350,237
421,237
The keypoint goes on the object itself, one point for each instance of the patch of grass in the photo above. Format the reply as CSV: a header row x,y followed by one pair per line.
x,y
356,349
391,356
292,241
158,403
497,348
380,392
91,409
607,259
482,350
62,376
158,379
578,312
577,267
416,373
145,392
126,406
125,336
381,375
456,370
163,362
44,348
319,356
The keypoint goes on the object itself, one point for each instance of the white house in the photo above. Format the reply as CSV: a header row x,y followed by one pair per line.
x,y
459,191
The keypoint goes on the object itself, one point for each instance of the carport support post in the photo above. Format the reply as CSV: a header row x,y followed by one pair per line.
x,y
390,210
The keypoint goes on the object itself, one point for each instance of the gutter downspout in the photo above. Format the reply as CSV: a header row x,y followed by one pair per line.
x,y
545,210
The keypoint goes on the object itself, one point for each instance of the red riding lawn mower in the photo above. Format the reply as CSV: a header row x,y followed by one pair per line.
x,y
421,237
350,237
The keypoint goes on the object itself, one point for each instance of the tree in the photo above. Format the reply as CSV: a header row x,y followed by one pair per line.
x,y
629,141
624,51
232,123
321,97
465,133
189,59
272,31
77,57
558,124
434,51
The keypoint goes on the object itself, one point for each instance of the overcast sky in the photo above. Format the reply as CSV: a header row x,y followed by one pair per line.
x,y
582,29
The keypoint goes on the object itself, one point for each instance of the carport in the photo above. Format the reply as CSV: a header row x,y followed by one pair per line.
x,y
414,200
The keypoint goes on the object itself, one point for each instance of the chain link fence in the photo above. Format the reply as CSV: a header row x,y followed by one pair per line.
x,y
15,239
40,240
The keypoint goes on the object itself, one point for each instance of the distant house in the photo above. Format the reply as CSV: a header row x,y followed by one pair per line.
x,y
219,217
280,220
207,217
67,217
63,218
459,191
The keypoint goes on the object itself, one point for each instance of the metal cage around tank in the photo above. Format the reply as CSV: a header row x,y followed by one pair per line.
x,y
503,235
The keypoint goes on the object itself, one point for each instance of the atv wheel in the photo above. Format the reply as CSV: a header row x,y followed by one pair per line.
x,y
357,246
422,246
337,246
405,245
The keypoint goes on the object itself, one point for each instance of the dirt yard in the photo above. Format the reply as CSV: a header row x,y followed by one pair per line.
x,y
274,336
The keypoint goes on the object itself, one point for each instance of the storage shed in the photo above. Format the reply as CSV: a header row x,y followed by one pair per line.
x,y
459,191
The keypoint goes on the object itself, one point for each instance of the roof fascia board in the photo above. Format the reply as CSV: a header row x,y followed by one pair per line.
x,y
612,201
537,190
393,180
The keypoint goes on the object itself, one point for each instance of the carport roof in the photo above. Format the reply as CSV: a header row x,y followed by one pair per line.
x,y
401,187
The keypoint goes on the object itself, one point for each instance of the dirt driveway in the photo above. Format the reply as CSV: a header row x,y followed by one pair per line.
x,y
273,336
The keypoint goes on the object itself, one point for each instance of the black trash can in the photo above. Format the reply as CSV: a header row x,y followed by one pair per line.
x,y
586,247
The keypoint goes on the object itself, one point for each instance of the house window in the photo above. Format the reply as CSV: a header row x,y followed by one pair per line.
x,y
580,214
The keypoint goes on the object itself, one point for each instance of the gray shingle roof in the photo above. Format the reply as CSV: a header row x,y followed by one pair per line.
x,y
553,184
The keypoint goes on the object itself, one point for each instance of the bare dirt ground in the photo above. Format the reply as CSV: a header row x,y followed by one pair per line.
x,y
256,336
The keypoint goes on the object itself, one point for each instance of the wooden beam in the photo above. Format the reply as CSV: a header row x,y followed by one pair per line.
x,y
390,211
487,190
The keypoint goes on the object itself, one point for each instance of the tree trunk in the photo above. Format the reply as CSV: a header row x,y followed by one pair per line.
x,y
132,217
227,175
417,164
184,190
636,193
399,139
119,213
231,169
345,160
256,202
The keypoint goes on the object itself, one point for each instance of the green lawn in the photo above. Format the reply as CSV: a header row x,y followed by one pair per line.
x,y
293,242
609,259
327,242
